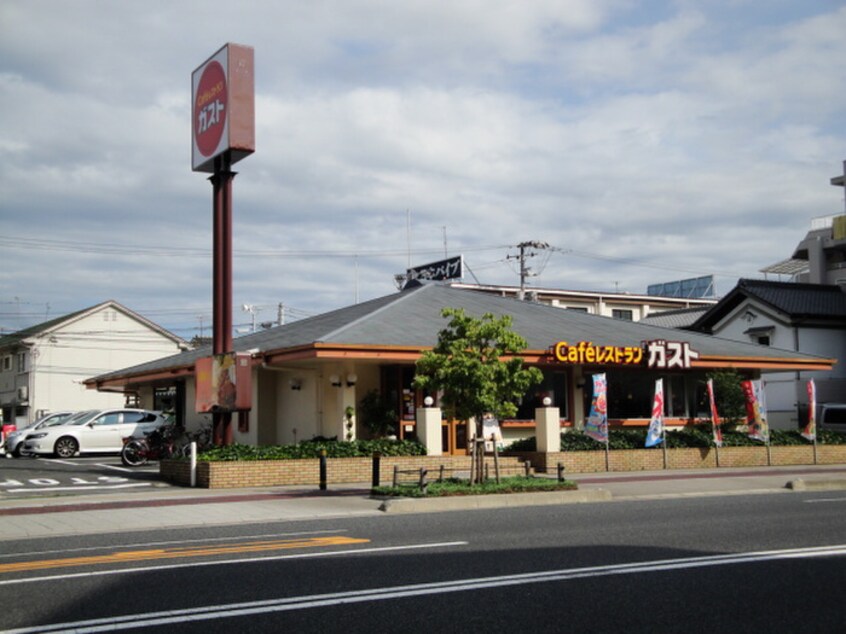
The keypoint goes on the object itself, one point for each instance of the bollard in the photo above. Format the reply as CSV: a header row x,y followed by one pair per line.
x,y
322,469
560,472
193,463
377,464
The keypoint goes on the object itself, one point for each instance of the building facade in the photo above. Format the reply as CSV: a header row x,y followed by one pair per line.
x,y
310,378
43,368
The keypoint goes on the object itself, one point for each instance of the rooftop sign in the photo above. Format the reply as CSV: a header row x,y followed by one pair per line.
x,y
658,354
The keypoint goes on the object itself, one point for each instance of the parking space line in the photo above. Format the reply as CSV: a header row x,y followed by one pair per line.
x,y
86,487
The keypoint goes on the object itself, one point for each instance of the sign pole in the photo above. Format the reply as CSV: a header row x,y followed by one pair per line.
x,y
223,133
222,282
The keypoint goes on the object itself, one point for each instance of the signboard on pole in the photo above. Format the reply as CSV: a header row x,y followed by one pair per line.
x,y
223,107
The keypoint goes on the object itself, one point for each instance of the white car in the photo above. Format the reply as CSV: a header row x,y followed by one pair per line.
x,y
14,441
102,431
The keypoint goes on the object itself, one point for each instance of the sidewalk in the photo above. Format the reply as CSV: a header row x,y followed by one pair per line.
x,y
175,507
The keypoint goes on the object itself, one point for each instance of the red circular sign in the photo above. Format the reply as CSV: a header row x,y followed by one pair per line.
x,y
210,105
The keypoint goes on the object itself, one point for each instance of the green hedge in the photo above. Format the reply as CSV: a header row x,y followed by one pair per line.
x,y
698,436
312,449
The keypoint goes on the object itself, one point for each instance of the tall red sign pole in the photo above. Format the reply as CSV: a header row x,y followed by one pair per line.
x,y
223,123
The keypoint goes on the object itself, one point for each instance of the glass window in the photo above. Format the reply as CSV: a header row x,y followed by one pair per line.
x,y
134,417
625,315
554,385
22,362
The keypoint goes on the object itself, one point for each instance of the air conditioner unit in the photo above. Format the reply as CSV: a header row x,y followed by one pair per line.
x,y
23,393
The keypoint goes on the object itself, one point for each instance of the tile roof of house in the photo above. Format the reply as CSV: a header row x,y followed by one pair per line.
x,y
412,319
821,302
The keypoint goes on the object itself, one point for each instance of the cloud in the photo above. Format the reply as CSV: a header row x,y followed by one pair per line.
x,y
645,141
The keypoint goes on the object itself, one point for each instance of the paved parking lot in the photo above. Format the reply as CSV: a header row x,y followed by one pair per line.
x,y
41,477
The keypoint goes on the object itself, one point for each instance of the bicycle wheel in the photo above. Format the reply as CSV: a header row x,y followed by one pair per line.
x,y
134,453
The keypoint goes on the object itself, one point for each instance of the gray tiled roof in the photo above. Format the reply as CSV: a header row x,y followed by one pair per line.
x,y
412,318
681,318
825,303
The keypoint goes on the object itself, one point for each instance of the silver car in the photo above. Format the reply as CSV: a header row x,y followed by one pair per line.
x,y
102,431
14,441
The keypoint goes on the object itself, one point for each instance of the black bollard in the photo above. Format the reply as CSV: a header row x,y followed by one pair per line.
x,y
560,472
322,469
377,464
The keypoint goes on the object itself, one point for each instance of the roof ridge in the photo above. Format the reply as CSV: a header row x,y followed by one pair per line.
x,y
399,297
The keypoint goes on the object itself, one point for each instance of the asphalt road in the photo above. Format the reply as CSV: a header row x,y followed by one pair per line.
x,y
765,563
33,477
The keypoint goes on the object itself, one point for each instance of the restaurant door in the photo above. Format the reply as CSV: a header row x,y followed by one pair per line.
x,y
454,437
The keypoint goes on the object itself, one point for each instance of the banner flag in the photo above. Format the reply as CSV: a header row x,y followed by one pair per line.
x,y
810,431
715,418
656,424
596,426
756,410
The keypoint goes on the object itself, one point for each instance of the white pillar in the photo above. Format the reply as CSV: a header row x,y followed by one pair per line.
x,y
548,429
429,430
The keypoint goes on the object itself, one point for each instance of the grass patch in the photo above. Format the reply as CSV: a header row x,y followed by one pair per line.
x,y
456,486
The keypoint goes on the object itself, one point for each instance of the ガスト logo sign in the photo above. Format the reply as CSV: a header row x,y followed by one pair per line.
x,y
210,109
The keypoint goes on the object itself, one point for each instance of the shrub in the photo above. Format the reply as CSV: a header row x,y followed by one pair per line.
x,y
312,449
455,486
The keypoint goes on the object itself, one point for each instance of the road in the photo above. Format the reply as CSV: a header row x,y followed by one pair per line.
x,y
755,563
33,477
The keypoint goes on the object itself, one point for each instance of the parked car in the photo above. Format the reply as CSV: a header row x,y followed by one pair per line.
x,y
833,417
14,440
101,431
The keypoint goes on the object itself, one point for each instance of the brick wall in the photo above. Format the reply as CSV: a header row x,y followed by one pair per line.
x,y
217,475
706,458
258,473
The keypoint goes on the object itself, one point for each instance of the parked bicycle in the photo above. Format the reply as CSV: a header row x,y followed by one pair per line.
x,y
158,444
203,438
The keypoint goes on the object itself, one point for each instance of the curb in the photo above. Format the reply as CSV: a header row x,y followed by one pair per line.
x,y
816,485
494,501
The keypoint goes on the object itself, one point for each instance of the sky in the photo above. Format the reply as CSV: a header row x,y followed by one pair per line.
x,y
644,142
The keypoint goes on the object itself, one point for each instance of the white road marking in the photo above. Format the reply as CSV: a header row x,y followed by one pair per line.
x,y
843,499
212,612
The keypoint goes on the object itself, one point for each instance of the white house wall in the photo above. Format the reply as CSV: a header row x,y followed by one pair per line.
x,y
105,340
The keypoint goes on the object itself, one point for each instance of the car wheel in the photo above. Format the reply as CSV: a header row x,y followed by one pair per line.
x,y
66,447
17,452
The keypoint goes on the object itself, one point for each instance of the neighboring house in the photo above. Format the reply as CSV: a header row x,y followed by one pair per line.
x,y
303,376
42,368
625,306
804,318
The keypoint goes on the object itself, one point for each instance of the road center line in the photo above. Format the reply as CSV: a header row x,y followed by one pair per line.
x,y
174,542
123,556
226,562
207,613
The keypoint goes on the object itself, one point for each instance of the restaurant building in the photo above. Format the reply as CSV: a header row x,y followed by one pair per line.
x,y
308,378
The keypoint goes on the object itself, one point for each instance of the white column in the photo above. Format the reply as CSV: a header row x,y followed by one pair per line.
x,y
429,430
548,429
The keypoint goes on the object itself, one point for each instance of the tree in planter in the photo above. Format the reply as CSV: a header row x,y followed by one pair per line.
x,y
474,365
728,395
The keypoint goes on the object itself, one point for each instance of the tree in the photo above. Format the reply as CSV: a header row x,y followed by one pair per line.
x,y
474,364
731,403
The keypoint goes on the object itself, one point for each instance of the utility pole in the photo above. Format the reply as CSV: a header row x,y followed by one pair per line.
x,y
525,271
280,314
